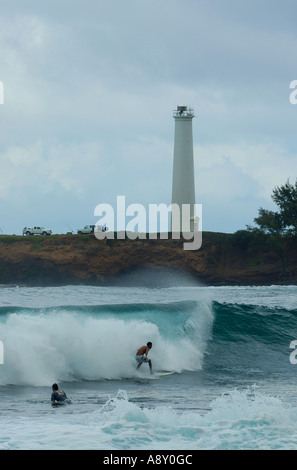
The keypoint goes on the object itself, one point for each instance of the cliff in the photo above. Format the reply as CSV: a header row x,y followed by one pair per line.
x,y
73,259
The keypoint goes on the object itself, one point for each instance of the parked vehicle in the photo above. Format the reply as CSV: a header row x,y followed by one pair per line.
x,y
86,229
90,229
36,231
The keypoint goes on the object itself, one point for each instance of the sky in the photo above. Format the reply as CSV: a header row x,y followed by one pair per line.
x,y
89,92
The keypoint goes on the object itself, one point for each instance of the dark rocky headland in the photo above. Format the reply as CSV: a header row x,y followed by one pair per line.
x,y
222,259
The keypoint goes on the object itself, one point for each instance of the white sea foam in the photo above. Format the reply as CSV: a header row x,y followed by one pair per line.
x,y
239,420
43,347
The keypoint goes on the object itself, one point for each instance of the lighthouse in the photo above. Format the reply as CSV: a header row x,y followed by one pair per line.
x,y
183,181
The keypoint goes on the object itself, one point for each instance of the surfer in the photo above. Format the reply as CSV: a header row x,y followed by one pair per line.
x,y
58,395
141,355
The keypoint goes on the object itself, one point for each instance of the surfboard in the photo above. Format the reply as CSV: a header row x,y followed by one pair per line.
x,y
160,374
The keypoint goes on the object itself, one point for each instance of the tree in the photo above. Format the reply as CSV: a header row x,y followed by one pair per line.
x,y
277,224
270,222
285,197
285,220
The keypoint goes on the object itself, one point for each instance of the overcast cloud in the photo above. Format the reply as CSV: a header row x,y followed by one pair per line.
x,y
89,91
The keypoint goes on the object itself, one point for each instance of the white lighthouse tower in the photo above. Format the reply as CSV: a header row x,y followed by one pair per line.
x,y
183,182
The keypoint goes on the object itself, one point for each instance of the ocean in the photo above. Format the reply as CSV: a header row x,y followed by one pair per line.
x,y
234,380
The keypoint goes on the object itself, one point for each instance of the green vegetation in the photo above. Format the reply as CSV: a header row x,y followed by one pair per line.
x,y
273,229
8,239
284,221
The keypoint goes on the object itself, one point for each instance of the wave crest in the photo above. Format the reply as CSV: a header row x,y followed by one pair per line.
x,y
94,343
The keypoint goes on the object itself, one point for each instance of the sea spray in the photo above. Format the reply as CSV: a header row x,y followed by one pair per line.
x,y
99,342
240,419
